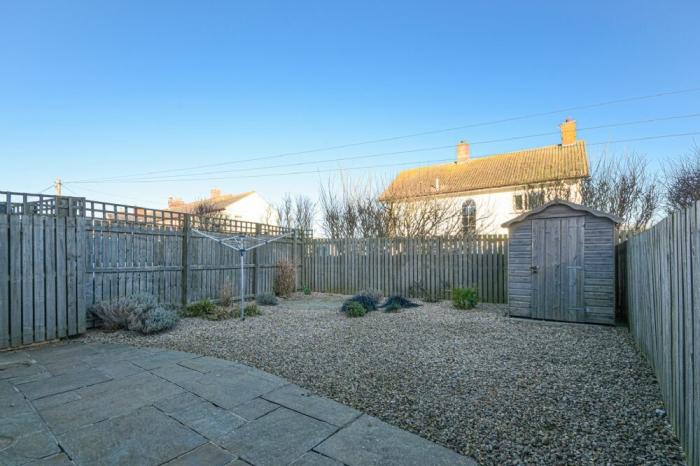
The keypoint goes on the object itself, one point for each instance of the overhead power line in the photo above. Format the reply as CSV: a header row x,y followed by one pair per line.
x,y
393,164
408,151
419,134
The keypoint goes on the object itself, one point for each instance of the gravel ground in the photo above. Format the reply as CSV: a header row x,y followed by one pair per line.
x,y
505,391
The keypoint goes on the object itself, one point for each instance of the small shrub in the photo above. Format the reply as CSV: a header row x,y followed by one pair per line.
x,y
226,295
400,301
219,313
284,281
266,299
373,294
368,302
139,313
251,310
354,309
393,307
464,298
199,309
307,290
159,319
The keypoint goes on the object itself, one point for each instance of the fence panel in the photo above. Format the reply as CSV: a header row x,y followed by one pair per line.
x,y
662,289
414,267
40,293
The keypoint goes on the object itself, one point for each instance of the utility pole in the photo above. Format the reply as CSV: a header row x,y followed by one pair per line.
x,y
57,186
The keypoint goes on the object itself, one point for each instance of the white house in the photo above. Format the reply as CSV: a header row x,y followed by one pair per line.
x,y
488,191
249,206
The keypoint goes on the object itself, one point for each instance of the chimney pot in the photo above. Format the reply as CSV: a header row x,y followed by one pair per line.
x,y
214,193
568,132
462,151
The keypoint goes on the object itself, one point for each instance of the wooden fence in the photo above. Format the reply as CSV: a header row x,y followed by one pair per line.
x,y
662,289
41,265
59,255
414,267
173,264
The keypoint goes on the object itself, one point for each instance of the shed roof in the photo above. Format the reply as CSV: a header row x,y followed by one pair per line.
x,y
579,207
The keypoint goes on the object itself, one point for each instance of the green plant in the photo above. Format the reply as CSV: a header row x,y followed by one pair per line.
x,y
464,298
400,301
307,290
140,313
199,309
354,309
266,299
251,310
284,281
393,307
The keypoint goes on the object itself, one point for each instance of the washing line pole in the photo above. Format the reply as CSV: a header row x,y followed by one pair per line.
x,y
238,243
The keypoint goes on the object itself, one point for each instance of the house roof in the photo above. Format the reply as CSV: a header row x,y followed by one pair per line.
x,y
578,207
524,167
214,203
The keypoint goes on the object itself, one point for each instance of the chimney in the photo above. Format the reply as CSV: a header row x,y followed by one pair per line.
x,y
568,132
214,193
462,152
175,202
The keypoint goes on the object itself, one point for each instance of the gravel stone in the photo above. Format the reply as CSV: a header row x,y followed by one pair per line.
x,y
502,390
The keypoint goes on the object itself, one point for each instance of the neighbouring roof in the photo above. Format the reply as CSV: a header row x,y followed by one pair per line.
x,y
214,203
578,207
524,167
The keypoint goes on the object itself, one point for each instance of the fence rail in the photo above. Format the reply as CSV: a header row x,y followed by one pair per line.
x,y
662,289
414,267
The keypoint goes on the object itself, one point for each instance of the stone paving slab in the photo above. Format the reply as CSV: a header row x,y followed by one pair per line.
x,y
314,459
28,448
323,409
255,408
146,436
369,441
200,415
84,404
208,454
277,438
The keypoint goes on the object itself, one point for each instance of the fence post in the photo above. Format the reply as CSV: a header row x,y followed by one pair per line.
x,y
294,260
256,263
184,277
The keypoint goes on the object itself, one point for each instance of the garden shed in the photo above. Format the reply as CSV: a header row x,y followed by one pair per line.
x,y
561,263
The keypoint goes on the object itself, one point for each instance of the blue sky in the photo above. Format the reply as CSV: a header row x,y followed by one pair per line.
x,y
102,89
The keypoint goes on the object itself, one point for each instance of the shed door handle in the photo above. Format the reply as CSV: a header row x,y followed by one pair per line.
x,y
534,269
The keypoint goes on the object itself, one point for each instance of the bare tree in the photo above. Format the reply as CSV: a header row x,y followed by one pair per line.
x,y
207,215
621,186
682,182
362,210
298,212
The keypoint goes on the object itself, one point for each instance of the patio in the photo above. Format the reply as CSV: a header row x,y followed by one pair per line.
x,y
78,403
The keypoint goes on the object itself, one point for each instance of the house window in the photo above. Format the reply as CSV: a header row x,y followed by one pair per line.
x,y
469,216
518,202
535,199
528,201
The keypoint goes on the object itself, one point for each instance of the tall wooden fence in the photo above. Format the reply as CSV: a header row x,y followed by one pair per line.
x,y
59,255
662,289
414,267
41,270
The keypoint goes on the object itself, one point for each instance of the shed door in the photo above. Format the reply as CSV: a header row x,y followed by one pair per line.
x,y
557,269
